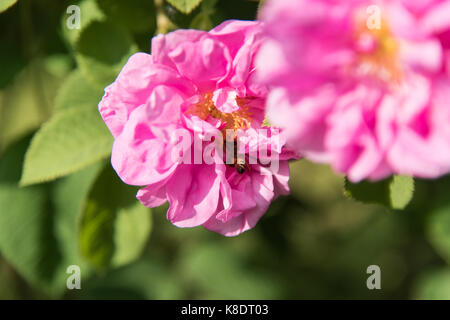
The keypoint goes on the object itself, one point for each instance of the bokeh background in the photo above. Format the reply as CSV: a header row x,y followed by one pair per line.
x,y
70,208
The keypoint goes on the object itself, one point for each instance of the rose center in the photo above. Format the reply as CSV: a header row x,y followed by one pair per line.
x,y
378,52
225,106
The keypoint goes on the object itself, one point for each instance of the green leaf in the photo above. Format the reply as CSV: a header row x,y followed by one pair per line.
x,y
134,15
128,282
222,274
39,223
102,50
401,191
69,196
177,19
90,12
434,285
69,141
6,4
132,228
395,192
114,226
185,6
26,103
77,92
202,21
58,65
205,19
26,240
209,5
15,63
438,230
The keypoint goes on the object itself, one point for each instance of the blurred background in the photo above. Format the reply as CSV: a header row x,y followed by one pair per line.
x,y
61,204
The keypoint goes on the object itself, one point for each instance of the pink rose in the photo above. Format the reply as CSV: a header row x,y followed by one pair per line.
x,y
363,85
200,84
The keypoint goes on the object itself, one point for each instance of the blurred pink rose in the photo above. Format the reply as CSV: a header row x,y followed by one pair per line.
x,y
199,82
363,85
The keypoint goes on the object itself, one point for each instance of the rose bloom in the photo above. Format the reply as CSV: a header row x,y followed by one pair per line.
x,y
201,83
363,85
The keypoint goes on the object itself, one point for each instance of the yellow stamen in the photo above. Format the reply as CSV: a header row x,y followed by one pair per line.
x,y
383,60
239,119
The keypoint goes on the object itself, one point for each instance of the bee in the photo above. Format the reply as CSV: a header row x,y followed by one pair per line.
x,y
238,163
241,166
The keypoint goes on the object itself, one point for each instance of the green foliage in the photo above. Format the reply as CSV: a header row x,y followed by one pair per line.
x,y
38,223
77,92
205,19
101,51
185,6
134,15
23,219
395,192
71,140
434,285
146,278
6,4
401,190
58,65
24,241
114,225
90,12
67,197
178,18
220,274
26,102
439,231
9,71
